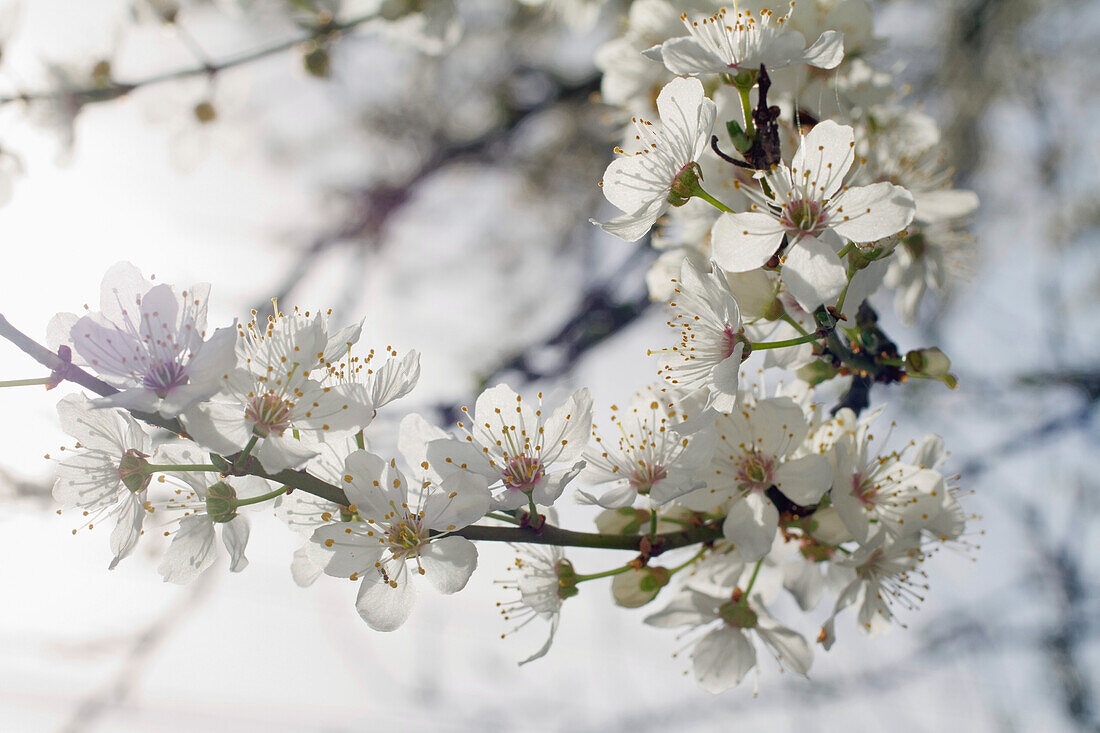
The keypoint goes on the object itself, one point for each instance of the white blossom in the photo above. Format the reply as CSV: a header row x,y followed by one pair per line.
x,y
810,207
640,183
103,476
148,340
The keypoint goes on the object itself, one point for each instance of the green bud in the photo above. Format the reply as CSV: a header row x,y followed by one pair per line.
x,y
774,311
318,63
635,588
816,372
932,363
685,184
740,140
134,471
737,614
221,502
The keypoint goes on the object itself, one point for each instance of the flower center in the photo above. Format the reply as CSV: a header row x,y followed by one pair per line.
x,y
405,538
522,473
268,414
644,476
164,377
803,216
864,490
756,472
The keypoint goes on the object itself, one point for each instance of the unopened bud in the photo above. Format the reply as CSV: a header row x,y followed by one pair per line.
x,y
685,184
738,614
317,62
635,588
816,372
774,311
932,363
825,526
221,502
134,471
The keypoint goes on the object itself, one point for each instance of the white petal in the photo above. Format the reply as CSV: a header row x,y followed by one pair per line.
x,y
567,431
944,205
383,607
191,550
823,159
722,658
743,242
279,452
449,562
827,51
632,227
813,273
867,213
309,563
124,537
352,552
235,538
684,57
750,525
804,480
464,499
789,647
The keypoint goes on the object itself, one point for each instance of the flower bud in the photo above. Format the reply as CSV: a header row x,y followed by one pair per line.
x,y
221,502
931,363
626,520
635,588
816,372
738,614
317,62
134,471
685,184
825,526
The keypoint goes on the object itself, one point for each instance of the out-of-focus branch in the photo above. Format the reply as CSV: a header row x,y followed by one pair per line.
x,y
112,89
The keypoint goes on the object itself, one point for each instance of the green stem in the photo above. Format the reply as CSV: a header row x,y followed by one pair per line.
x,y
360,440
746,109
502,517
785,343
698,192
786,318
653,522
693,559
752,581
243,457
26,382
844,294
604,574
261,498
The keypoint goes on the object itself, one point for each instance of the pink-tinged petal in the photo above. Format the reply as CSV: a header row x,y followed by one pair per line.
x,y
804,480
107,350
448,563
722,658
191,550
750,525
813,273
867,213
127,531
382,606
683,56
823,159
743,242
827,51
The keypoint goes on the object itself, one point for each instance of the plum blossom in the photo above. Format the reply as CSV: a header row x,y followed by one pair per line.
x,y
148,341
760,447
511,444
712,340
656,456
541,590
725,653
388,530
641,183
271,395
207,504
810,207
105,476
727,43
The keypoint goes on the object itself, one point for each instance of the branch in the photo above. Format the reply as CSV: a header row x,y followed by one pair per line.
x,y
114,89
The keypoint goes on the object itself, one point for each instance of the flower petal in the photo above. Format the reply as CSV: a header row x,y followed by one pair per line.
x,y
448,563
743,242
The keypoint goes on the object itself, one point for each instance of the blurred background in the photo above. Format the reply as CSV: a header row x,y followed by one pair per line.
x,y
433,166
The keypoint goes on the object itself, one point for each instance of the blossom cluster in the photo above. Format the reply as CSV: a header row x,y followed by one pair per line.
x,y
823,189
